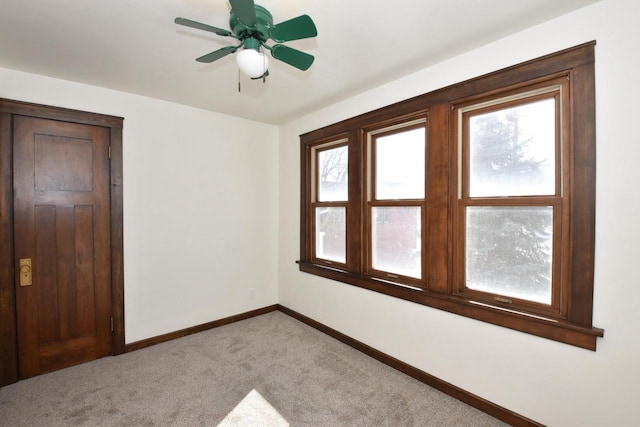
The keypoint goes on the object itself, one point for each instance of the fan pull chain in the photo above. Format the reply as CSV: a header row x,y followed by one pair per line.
x,y
239,89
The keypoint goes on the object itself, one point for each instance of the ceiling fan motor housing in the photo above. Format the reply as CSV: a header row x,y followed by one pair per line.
x,y
259,31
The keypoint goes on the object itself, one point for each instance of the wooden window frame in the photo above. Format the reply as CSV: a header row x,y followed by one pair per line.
x,y
558,88
369,165
571,321
314,202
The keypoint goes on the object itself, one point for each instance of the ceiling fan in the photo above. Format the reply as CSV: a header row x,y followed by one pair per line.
x,y
252,25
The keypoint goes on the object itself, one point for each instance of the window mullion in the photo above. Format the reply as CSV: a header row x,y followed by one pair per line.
x,y
355,232
565,79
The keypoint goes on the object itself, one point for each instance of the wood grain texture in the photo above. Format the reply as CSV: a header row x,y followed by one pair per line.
x,y
115,291
583,190
438,252
568,319
65,165
8,346
117,240
47,272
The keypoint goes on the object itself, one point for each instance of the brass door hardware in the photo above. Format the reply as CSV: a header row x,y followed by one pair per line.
x,y
25,272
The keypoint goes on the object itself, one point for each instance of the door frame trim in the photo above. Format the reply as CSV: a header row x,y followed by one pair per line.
x,y
8,332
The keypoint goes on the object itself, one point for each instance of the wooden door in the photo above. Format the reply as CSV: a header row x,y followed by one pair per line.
x,y
62,223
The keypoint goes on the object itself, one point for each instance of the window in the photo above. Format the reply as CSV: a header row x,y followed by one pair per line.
x,y
330,179
477,198
513,192
396,200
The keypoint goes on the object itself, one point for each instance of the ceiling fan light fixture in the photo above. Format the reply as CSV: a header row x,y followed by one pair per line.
x,y
252,63
252,26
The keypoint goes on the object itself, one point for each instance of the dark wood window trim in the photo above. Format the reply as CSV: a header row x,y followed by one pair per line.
x,y
8,335
574,324
315,199
556,88
419,121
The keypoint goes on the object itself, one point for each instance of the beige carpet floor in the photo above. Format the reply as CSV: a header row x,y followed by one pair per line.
x,y
271,370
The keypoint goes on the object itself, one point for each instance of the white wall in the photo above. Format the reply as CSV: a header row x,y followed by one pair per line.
x,y
200,205
552,383
203,225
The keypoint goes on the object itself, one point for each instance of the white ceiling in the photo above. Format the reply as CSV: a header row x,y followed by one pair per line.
x,y
134,46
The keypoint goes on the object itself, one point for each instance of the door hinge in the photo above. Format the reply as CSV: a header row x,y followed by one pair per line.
x,y
109,151
111,323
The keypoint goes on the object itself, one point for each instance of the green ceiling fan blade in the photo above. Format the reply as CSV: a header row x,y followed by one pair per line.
x,y
293,57
193,24
217,54
245,11
252,25
298,28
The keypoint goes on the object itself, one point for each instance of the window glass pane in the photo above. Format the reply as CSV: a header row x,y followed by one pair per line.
x,y
509,251
400,162
332,174
395,234
331,234
512,151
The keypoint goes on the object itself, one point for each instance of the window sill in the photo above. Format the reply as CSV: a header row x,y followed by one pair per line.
x,y
553,329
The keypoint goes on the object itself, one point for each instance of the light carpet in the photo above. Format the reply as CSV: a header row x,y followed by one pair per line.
x,y
270,370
